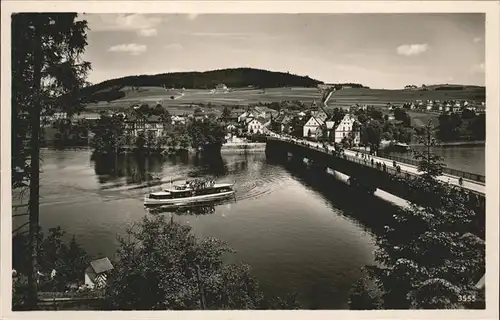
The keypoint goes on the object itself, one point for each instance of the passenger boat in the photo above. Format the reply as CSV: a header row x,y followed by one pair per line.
x,y
195,191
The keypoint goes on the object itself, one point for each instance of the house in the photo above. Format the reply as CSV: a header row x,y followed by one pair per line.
x,y
285,123
178,119
49,119
310,128
151,124
342,130
247,115
221,87
257,125
319,114
96,273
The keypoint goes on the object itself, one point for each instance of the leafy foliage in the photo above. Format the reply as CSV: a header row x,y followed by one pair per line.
x,y
68,260
207,134
430,164
370,134
109,134
162,265
427,257
47,74
462,126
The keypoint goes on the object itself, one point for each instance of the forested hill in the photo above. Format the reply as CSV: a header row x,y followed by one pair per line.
x,y
240,77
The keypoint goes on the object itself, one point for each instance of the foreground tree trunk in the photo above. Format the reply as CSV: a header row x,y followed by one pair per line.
x,y
34,199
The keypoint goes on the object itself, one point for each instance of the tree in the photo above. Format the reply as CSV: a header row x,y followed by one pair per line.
x,y
362,297
427,257
402,115
430,164
477,127
374,114
69,261
47,73
371,134
161,265
109,134
405,134
207,135
338,115
140,141
226,113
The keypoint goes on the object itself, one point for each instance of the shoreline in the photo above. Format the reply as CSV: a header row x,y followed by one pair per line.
x,y
244,146
455,143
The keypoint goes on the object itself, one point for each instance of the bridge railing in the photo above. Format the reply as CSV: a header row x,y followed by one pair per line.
x,y
391,170
361,161
453,172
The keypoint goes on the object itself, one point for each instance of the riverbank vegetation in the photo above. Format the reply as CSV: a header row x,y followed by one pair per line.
x,y
159,265
119,133
464,126
428,258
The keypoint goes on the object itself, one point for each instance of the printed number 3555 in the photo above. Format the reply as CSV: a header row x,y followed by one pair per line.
x,y
467,298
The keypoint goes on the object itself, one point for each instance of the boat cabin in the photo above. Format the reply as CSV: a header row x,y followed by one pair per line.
x,y
186,192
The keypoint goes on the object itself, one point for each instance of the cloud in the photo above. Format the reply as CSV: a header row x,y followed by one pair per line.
x,y
478,68
412,49
148,32
131,48
122,22
192,16
173,46
477,40
233,35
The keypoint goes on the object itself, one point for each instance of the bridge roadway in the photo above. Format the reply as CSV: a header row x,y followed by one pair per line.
x,y
472,186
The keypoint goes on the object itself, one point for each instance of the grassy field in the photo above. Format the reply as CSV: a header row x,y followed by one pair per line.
x,y
380,97
180,101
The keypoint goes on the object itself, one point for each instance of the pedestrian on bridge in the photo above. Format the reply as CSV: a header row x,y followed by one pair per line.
x,y
461,181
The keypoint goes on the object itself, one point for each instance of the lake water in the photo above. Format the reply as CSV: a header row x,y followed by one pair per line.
x,y
465,158
298,231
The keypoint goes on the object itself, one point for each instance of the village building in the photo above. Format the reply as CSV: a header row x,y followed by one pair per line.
x,y
311,128
257,125
178,120
258,112
96,273
342,129
148,125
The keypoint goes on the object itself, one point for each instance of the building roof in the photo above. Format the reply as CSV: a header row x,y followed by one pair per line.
x,y
150,118
101,265
318,120
262,120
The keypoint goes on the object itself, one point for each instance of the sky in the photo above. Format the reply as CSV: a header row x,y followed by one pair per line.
x,y
377,50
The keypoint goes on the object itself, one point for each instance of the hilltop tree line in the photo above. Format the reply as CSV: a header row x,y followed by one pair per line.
x,y
239,77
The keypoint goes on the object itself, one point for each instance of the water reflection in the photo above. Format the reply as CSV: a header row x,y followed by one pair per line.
x,y
352,203
205,208
138,169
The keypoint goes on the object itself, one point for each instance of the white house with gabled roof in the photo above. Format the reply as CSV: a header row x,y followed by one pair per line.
x,y
310,129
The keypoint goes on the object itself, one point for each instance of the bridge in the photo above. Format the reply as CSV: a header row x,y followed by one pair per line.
x,y
353,164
